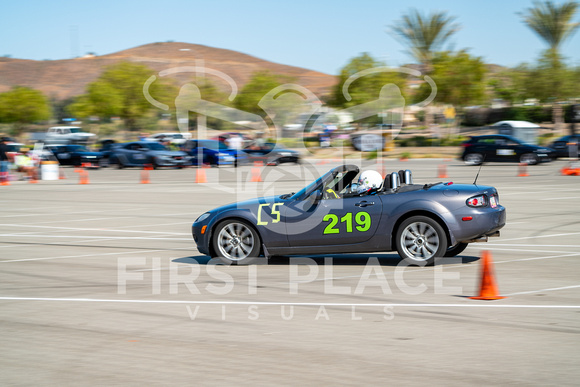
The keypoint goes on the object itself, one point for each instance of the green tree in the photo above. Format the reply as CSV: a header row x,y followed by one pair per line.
x,y
552,23
119,92
23,105
460,79
425,34
365,88
256,88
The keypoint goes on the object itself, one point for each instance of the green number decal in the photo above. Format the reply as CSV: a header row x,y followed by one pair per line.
x,y
348,220
276,212
260,223
333,219
362,219
363,225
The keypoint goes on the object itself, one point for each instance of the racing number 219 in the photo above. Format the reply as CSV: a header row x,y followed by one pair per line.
x,y
362,219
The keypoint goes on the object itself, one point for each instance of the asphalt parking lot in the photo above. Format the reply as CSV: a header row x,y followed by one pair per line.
x,y
101,284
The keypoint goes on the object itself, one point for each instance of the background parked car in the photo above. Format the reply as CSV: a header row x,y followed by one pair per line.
x,y
172,137
563,144
140,153
497,147
213,152
75,155
271,154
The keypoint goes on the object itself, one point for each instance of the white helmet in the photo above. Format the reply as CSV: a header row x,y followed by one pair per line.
x,y
368,180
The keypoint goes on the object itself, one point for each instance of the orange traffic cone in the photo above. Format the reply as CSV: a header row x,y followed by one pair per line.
x,y
145,174
256,178
4,178
523,170
487,286
442,174
570,170
83,176
200,176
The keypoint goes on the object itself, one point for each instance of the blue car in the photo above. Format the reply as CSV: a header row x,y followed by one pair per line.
x,y
213,152
422,222
76,155
141,153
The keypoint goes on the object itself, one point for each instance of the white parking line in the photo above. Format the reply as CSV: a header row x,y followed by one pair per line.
x,y
93,229
541,236
93,255
97,237
542,290
474,305
568,197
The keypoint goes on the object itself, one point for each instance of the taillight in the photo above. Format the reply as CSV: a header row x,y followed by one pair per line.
x,y
477,201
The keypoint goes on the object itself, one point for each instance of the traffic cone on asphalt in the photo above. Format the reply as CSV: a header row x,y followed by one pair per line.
x,y
523,170
570,170
4,178
487,287
442,172
256,178
83,176
200,176
145,174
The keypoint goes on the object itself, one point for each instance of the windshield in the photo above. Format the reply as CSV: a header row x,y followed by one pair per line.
x,y
309,188
77,148
154,146
75,130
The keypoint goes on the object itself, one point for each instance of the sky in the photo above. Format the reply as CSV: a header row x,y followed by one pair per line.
x,y
317,34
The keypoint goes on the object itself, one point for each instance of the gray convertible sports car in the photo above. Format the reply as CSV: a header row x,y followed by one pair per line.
x,y
422,222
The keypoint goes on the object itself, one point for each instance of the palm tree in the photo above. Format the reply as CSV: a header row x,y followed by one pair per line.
x,y
553,24
425,34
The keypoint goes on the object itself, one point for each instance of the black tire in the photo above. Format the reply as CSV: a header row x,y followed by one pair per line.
x,y
236,242
473,159
529,159
452,251
120,165
420,240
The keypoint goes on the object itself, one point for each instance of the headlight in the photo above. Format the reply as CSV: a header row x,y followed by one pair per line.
x,y
202,217
476,201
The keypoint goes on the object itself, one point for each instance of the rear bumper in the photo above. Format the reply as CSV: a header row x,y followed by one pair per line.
x,y
484,223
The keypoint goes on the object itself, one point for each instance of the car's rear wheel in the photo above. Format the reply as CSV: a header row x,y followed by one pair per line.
x,y
236,242
473,159
421,240
457,249
529,158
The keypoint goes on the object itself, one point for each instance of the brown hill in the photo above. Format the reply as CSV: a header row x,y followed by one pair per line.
x,y
62,79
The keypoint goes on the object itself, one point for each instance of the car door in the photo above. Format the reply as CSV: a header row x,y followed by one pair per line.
x,y
505,149
128,154
338,221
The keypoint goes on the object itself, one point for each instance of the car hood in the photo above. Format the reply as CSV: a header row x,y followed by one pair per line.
x,y
247,203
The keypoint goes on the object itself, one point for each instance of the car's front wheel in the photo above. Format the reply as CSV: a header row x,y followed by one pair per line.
x,y
473,159
236,242
529,158
421,240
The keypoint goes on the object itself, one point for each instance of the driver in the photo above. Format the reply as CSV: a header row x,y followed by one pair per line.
x,y
369,182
